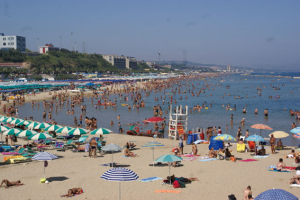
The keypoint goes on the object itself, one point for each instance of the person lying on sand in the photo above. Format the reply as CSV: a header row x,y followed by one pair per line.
x,y
182,179
9,184
281,166
73,192
295,180
297,159
130,145
128,153
291,155
212,153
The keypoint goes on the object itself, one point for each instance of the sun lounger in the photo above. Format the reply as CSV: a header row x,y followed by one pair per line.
x,y
82,139
11,157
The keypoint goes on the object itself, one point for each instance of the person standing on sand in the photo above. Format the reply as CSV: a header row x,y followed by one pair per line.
x,y
272,142
181,144
247,192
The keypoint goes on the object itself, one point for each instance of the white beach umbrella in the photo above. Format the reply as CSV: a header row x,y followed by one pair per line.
x,y
40,136
77,131
16,121
41,126
64,130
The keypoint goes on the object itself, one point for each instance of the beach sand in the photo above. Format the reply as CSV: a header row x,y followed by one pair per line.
x,y
218,179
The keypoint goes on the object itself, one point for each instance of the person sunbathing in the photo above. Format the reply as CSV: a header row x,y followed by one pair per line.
x,y
194,149
128,153
297,159
73,192
295,180
182,179
130,145
281,166
262,151
291,155
212,153
9,184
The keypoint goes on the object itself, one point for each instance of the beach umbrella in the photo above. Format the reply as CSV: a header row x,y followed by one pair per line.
x,y
297,135
112,148
295,130
52,128
41,126
169,158
261,127
32,125
255,138
44,156
279,134
77,131
4,128
16,121
224,137
119,174
90,84
64,130
40,136
26,133
152,145
24,122
155,119
11,131
276,194
9,119
100,131
2,118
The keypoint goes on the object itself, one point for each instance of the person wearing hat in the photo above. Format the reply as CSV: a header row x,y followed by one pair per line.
x,y
272,142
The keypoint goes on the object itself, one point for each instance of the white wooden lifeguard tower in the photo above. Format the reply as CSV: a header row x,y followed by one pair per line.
x,y
178,121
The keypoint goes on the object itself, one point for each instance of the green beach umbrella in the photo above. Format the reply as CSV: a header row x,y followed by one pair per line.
x,y
40,136
4,128
64,130
16,121
9,119
52,128
26,133
77,131
2,118
42,125
168,158
100,131
32,125
23,123
11,131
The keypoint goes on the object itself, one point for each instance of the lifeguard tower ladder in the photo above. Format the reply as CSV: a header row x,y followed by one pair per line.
x,y
178,121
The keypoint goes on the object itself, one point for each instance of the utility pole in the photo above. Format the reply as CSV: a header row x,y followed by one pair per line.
x,y
71,42
83,46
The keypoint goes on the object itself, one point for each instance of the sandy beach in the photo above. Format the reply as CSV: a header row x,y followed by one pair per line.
x,y
217,178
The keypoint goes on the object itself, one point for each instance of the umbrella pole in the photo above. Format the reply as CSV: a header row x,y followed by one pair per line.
x,y
153,155
119,190
170,172
112,160
44,172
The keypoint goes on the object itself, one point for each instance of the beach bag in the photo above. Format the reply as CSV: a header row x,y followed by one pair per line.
x,y
176,184
231,197
233,159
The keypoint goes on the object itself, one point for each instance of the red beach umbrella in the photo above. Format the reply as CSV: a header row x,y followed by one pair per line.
x,y
155,119
261,127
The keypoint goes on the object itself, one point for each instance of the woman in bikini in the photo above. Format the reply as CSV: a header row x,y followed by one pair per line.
x,y
73,192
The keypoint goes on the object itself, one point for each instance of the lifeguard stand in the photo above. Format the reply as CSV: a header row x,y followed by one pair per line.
x,y
178,121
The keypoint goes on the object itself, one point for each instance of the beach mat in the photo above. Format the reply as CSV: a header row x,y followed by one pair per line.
x,y
261,156
208,159
167,191
150,179
277,171
248,160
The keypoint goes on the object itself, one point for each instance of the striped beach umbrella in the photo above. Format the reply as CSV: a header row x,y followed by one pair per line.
x,y
152,145
11,131
276,194
77,131
41,126
26,133
168,158
9,119
255,138
52,128
295,130
64,130
100,131
32,125
24,122
44,156
3,118
119,174
40,136
4,128
16,121
225,137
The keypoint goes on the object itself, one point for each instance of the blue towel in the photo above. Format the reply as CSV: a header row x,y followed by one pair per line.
x,y
150,179
209,159
277,171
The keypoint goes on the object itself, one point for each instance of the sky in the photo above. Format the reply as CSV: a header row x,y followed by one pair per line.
x,y
225,32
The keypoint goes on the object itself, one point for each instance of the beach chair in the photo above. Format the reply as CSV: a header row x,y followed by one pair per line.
x,y
251,145
240,147
69,144
60,137
60,146
82,139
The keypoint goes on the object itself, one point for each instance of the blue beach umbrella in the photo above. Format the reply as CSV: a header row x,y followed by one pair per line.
x,y
276,194
225,137
119,174
168,158
152,145
295,130
90,84
44,156
255,138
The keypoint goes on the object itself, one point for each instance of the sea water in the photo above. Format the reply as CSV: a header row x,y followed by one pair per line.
x,y
287,97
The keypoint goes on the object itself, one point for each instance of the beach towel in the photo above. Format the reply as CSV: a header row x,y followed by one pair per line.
x,y
208,159
150,179
248,160
290,168
261,156
296,163
295,185
10,153
189,158
274,170
199,141
167,191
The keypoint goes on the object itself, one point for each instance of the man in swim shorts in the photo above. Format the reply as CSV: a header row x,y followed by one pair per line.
x,y
93,145
9,184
